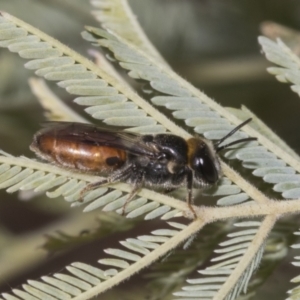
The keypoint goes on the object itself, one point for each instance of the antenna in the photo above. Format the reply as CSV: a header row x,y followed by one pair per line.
x,y
233,131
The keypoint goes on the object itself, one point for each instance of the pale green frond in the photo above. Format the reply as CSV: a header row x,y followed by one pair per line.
x,y
225,190
244,113
283,178
288,35
179,95
116,15
228,193
110,101
55,108
168,275
227,262
271,169
288,62
295,292
20,173
86,281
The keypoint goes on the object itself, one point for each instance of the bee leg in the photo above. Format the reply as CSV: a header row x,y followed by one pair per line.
x,y
137,184
92,186
189,200
116,176
131,195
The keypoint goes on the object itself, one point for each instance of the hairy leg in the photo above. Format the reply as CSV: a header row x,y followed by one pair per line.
x,y
189,200
136,185
119,175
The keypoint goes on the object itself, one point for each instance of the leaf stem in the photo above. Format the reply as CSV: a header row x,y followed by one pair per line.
x,y
247,258
147,260
273,207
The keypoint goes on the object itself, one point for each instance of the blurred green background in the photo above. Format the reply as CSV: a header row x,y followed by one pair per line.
x,y
211,43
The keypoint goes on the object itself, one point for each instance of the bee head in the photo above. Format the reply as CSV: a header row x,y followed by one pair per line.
x,y
203,158
204,161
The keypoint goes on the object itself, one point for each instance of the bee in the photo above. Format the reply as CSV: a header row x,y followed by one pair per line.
x,y
153,160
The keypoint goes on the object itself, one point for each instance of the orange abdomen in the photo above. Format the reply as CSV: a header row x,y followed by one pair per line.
x,y
78,155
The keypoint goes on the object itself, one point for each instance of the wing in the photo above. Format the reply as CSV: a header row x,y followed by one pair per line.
x,y
99,136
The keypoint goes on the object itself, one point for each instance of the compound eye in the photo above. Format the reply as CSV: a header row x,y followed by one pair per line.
x,y
204,166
